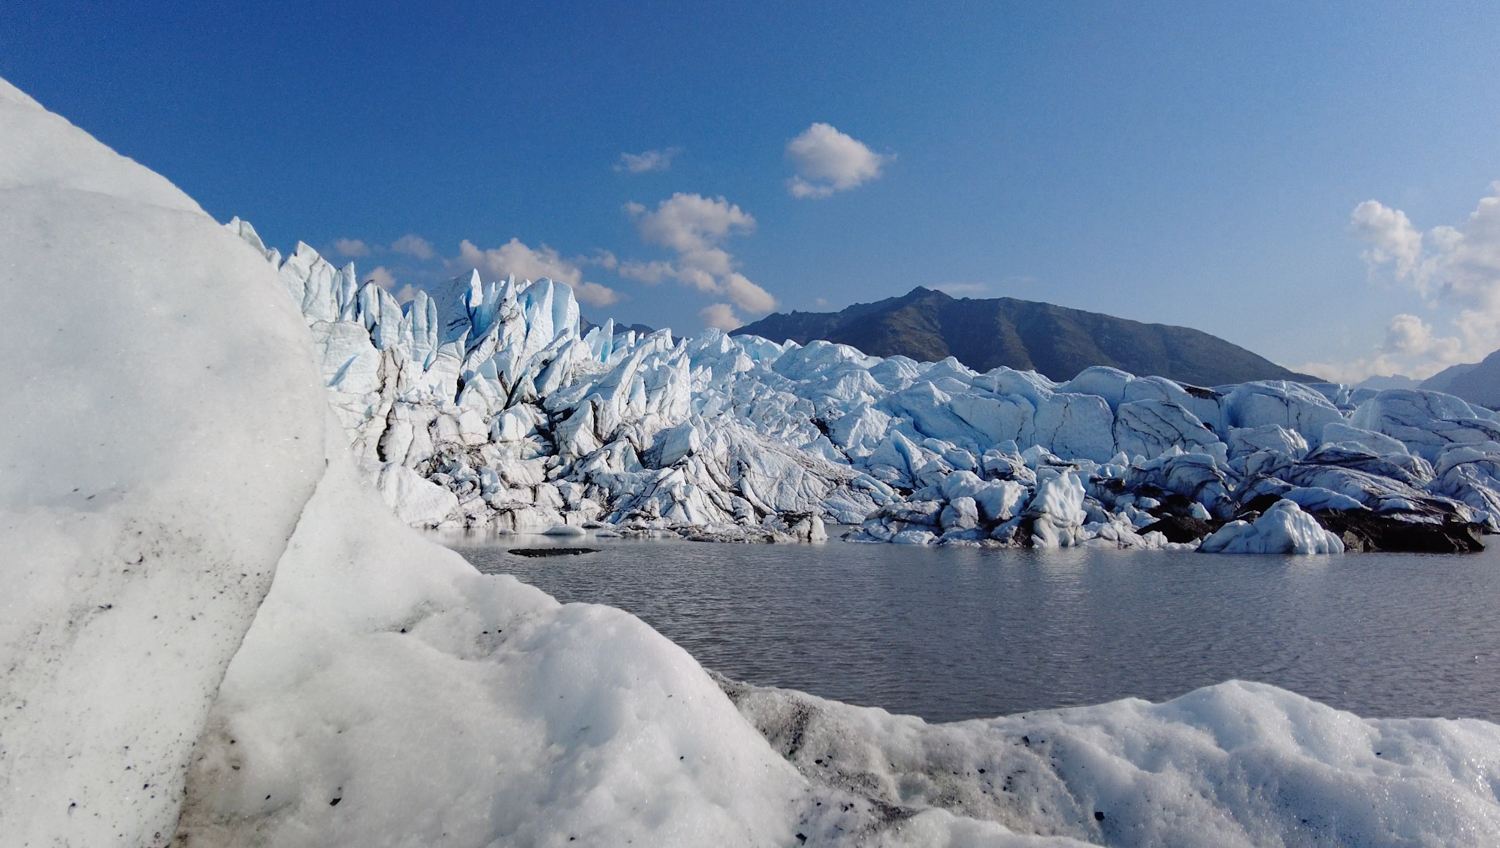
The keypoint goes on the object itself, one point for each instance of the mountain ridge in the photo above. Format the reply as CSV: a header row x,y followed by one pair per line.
x,y
1057,341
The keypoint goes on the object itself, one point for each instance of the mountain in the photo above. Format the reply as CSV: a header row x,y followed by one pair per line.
x,y
1476,383
929,325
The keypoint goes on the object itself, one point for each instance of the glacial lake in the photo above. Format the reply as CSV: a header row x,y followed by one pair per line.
x,y
953,633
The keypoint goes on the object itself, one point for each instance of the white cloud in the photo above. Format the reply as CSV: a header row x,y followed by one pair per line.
x,y
695,227
516,258
651,160
1390,235
747,294
721,316
650,273
351,247
828,161
412,244
595,294
1448,267
381,277
690,222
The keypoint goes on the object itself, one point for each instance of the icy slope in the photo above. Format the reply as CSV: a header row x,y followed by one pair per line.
x,y
484,405
162,431
388,694
1238,764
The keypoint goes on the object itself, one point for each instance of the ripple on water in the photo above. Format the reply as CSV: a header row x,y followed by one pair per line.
x,y
951,634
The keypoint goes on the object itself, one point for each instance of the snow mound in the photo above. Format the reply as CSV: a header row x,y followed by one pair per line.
x,y
1237,764
163,428
389,694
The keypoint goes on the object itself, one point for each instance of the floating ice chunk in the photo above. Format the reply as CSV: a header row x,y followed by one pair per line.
x,y
1282,529
913,537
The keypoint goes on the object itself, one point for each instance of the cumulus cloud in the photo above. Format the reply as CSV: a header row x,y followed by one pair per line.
x,y
690,222
381,277
651,160
695,228
516,258
595,294
828,161
720,316
412,244
1449,267
351,247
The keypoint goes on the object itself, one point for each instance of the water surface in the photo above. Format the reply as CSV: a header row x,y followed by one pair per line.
x,y
950,634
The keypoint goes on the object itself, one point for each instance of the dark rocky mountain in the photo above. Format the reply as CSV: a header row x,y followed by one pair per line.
x,y
929,325
1477,383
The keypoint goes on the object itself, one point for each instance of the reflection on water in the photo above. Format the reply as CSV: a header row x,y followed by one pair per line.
x,y
958,633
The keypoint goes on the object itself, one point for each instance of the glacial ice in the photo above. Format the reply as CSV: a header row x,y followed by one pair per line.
x,y
519,421
163,429
1282,529
171,448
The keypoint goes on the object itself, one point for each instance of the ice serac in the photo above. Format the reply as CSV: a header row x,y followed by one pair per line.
x,y
163,429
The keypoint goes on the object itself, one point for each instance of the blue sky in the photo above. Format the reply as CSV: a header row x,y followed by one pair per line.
x,y
1163,162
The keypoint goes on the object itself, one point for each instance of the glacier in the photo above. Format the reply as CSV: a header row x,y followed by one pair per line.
x,y
217,632
486,405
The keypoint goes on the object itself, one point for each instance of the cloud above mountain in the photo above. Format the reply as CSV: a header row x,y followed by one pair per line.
x,y
1449,268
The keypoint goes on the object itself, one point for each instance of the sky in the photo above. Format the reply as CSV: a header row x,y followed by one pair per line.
x,y
1316,182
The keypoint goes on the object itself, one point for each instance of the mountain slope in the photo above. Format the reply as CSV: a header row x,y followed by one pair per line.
x,y
1477,383
929,325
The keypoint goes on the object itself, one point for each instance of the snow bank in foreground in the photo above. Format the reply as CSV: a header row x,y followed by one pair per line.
x,y
1238,764
389,694
162,429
